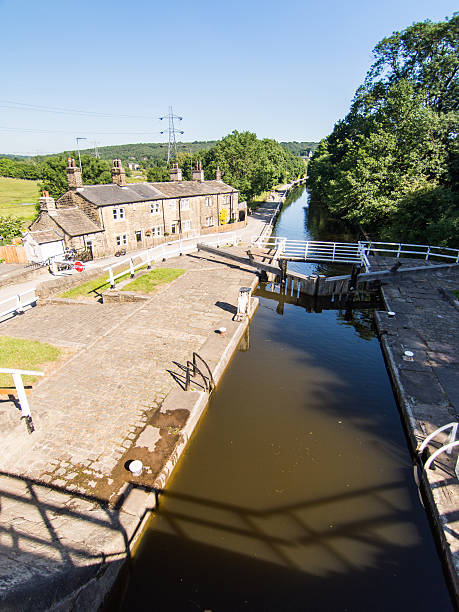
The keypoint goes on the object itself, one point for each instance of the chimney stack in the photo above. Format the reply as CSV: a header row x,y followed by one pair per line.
x,y
218,174
175,173
73,174
47,203
198,172
118,173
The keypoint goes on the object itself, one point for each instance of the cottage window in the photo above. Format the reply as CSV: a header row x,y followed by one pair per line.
x,y
209,221
174,228
118,214
154,208
156,231
187,226
138,236
209,201
186,204
122,239
172,204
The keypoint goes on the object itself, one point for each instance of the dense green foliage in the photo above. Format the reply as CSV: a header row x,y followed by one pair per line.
x,y
20,168
252,165
54,178
148,154
10,227
392,163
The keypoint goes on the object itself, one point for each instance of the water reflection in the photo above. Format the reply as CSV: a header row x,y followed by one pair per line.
x,y
296,492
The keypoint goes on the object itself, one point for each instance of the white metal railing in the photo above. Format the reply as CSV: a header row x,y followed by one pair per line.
x,y
448,447
18,303
427,252
19,384
166,251
352,253
314,250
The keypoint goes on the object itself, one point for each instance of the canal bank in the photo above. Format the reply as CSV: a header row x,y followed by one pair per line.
x,y
426,323
70,509
298,492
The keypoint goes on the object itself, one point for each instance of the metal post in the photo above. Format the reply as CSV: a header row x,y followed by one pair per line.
x,y
17,379
19,308
148,259
112,280
131,267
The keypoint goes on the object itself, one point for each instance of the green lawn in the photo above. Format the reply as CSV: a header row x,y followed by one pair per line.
x,y
90,289
25,355
148,283
15,191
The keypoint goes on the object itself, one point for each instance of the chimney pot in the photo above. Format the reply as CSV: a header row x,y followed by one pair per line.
x,y
118,173
73,174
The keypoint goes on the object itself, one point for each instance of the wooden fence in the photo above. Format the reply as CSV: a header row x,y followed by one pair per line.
x,y
13,253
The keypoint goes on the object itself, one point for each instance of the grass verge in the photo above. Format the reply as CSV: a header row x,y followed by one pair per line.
x,y
148,283
13,192
25,355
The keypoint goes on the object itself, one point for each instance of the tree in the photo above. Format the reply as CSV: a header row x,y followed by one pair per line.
x,y
392,163
158,174
10,227
251,165
54,177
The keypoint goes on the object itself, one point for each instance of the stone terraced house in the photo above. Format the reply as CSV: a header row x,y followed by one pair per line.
x,y
109,218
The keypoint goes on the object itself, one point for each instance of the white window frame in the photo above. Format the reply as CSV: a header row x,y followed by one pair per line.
x,y
208,200
209,221
187,225
185,204
173,204
175,227
155,208
157,230
121,239
141,235
118,213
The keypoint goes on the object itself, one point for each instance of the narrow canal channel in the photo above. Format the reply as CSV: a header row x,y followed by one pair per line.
x,y
296,491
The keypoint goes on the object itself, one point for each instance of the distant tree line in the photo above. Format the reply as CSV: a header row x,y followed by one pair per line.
x,y
392,163
300,148
247,163
20,168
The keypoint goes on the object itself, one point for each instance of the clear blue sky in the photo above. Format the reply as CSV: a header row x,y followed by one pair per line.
x,y
285,70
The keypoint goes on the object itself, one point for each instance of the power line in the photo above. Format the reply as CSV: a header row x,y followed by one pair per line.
x,y
62,110
37,131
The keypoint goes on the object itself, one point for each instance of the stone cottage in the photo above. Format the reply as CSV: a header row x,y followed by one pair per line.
x,y
108,218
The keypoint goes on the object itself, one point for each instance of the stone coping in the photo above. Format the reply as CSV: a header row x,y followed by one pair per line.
x,y
426,322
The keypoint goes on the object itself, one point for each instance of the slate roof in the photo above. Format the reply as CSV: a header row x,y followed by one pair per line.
x,y
47,235
107,195
74,222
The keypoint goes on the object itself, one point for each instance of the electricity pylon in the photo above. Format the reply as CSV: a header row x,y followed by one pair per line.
x,y
172,131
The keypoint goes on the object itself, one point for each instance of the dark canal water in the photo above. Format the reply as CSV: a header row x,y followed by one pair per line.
x,y
296,491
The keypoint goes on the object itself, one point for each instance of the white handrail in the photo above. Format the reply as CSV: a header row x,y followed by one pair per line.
x,y
18,383
348,252
428,251
168,250
19,302
452,436
448,447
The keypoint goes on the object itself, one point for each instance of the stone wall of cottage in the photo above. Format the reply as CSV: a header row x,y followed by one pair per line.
x,y
139,225
73,198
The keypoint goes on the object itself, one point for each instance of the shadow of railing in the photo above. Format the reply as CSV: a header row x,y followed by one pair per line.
x,y
56,540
